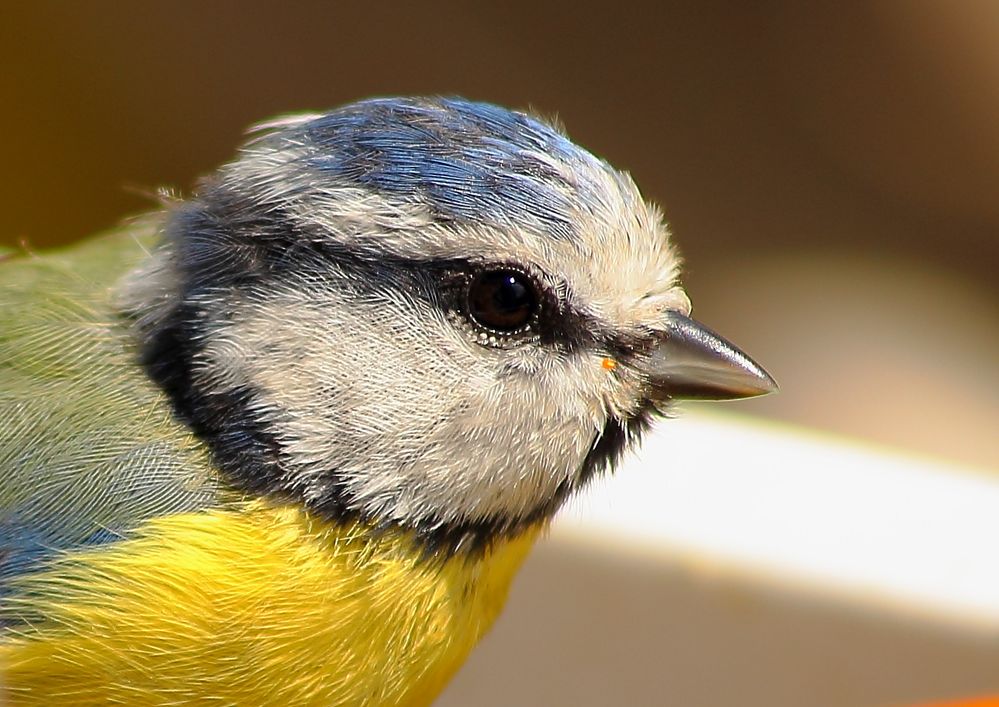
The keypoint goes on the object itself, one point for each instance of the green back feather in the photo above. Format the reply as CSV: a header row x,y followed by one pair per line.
x,y
89,447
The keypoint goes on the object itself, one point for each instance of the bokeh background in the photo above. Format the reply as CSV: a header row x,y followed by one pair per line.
x,y
830,170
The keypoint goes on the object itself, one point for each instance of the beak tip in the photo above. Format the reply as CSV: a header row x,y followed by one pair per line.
x,y
748,380
764,382
765,385
753,384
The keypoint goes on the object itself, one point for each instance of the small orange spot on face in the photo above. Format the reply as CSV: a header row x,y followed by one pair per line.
x,y
609,364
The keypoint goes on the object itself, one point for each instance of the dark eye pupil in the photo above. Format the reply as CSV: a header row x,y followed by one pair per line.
x,y
503,300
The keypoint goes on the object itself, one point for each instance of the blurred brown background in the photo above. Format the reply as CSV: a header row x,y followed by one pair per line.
x,y
829,169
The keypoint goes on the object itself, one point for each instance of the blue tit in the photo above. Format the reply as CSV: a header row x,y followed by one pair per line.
x,y
287,442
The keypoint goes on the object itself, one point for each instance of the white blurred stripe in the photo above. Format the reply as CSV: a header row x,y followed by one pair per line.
x,y
801,507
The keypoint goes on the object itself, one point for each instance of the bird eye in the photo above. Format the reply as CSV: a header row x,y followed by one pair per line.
x,y
502,300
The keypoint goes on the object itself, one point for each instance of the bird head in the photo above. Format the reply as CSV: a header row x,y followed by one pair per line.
x,y
430,314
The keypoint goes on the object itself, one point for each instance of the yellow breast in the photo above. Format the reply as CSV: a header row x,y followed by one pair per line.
x,y
253,606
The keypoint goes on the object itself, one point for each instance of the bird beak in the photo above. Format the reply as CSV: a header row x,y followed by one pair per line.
x,y
692,362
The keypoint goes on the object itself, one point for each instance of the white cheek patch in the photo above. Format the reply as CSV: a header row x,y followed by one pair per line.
x,y
412,419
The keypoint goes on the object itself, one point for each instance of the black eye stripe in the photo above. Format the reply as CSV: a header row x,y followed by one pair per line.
x,y
285,253
554,321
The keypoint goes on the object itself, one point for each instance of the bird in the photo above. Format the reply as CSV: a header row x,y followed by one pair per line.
x,y
287,440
